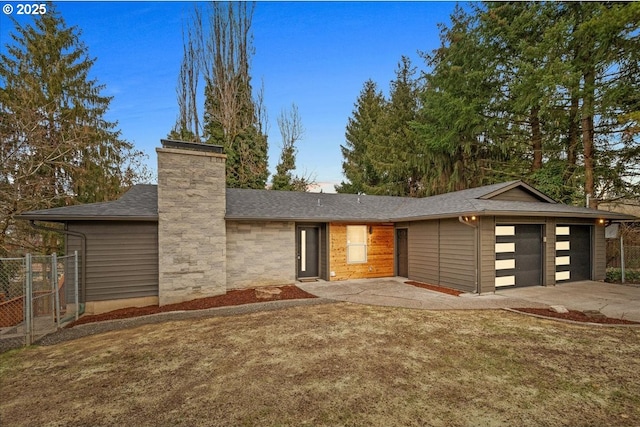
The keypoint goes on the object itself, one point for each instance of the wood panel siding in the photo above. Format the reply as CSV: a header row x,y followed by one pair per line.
x,y
121,258
487,247
380,243
457,255
424,244
517,195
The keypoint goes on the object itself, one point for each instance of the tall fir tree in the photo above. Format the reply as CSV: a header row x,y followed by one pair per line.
x,y
545,92
362,126
57,147
396,153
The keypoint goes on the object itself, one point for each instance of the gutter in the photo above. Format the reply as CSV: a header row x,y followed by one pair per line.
x,y
83,251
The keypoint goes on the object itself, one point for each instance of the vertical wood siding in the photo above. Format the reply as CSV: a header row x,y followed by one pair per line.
x,y
122,258
379,252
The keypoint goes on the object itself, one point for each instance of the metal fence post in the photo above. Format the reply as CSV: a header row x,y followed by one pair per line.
x,y
28,301
75,289
54,286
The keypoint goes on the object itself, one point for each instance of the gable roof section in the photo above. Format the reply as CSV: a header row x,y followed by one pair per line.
x,y
140,203
512,185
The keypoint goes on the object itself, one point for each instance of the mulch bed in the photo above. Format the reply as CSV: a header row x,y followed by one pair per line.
x,y
577,316
436,288
235,297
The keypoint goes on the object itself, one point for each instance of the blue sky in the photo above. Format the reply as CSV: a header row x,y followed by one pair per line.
x,y
314,54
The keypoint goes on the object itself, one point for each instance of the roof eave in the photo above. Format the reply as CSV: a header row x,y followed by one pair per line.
x,y
307,219
68,218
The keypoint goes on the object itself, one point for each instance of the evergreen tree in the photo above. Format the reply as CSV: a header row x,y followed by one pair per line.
x,y
397,153
360,133
454,123
57,148
544,92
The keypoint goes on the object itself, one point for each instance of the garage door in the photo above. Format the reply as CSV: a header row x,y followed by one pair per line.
x,y
573,253
518,255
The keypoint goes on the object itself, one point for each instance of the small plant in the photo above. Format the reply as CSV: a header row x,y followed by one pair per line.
x,y
614,275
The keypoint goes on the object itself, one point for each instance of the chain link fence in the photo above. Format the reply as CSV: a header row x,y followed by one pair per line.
x,y
38,295
623,254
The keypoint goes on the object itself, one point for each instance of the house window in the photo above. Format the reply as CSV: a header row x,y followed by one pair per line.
x,y
356,244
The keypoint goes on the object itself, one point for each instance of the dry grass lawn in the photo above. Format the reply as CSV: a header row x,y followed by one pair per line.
x,y
334,364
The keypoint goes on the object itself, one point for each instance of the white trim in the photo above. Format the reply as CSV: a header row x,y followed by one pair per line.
x,y
563,260
505,247
563,246
563,275
303,250
505,230
505,281
562,231
505,264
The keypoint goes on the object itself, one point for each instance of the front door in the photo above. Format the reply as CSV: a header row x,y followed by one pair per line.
x,y
308,252
402,252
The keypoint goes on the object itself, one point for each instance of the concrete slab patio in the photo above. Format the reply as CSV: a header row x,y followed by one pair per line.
x,y
617,301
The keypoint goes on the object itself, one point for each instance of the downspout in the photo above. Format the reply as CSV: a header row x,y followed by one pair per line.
x,y
472,222
83,252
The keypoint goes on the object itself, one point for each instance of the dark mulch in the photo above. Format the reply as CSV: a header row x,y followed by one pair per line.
x,y
231,298
435,288
577,316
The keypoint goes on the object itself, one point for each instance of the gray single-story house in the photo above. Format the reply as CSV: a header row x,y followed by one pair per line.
x,y
190,237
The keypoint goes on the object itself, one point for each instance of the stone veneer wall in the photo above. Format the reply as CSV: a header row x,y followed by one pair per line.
x,y
260,254
191,225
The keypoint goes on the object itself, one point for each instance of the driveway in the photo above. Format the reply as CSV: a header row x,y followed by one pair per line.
x,y
613,300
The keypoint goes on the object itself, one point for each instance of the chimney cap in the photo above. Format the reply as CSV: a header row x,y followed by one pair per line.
x,y
197,146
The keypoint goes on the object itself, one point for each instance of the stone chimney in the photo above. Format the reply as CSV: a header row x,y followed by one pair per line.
x,y
191,225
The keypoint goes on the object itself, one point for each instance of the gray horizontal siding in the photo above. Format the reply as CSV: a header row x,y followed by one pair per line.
x,y
457,255
516,195
443,252
487,227
423,252
121,259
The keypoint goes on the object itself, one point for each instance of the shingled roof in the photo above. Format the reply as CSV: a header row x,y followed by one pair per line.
x,y
140,203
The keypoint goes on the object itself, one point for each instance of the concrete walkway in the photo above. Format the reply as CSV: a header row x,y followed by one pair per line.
x,y
612,300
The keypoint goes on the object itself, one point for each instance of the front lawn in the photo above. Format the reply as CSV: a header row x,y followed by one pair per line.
x,y
332,364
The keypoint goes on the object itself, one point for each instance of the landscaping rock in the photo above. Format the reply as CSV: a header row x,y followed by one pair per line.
x,y
267,293
559,309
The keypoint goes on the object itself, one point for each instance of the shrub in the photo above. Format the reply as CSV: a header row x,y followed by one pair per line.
x,y
614,275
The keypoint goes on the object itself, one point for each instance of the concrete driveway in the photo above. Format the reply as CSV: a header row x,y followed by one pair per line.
x,y
617,301
612,300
